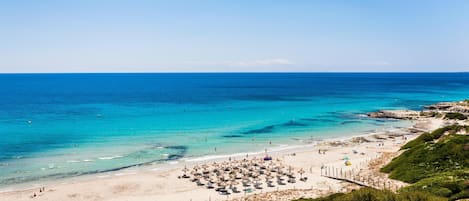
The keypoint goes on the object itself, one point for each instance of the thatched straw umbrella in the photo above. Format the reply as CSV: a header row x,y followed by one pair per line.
x,y
185,169
301,172
233,183
268,178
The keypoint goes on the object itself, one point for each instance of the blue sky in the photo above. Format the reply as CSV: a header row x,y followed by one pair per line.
x,y
173,36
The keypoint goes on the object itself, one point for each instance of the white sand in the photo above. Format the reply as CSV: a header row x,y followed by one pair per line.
x,y
161,183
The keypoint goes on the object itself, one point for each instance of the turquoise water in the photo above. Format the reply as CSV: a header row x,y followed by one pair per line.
x,y
63,125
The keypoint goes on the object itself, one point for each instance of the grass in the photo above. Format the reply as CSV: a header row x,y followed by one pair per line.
x,y
452,185
455,115
426,158
436,164
370,194
426,137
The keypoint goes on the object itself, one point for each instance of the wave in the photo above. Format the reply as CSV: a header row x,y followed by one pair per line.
x,y
110,157
281,147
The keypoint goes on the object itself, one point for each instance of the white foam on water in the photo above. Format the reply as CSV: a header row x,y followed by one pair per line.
x,y
173,162
281,147
73,161
212,157
109,157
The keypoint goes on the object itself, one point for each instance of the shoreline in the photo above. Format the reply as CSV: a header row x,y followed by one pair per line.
x,y
115,177
304,143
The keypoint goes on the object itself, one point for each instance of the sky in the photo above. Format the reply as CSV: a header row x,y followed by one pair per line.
x,y
233,36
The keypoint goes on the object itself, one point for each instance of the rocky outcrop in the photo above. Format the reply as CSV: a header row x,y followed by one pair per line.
x,y
394,114
439,110
459,107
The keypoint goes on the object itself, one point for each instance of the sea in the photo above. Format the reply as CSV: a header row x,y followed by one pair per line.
x,y
56,126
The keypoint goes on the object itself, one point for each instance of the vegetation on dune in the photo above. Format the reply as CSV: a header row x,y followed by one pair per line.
x,y
431,114
453,185
427,157
455,115
370,194
436,134
436,164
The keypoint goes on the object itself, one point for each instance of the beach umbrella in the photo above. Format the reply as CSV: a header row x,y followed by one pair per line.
x,y
348,163
212,179
185,169
222,184
268,178
301,172
233,183
256,175
257,181
205,166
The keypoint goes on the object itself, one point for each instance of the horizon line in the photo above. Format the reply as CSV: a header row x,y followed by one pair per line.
x,y
232,72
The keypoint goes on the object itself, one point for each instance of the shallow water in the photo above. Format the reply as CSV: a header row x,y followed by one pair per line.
x,y
61,125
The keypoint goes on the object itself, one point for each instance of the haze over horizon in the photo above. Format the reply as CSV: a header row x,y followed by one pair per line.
x,y
234,36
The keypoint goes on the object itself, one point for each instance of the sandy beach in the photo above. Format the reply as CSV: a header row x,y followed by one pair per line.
x,y
162,182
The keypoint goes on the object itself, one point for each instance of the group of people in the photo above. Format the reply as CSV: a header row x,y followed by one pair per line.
x,y
322,151
41,190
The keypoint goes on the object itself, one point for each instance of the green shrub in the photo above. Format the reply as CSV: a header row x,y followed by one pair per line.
x,y
436,165
436,134
370,194
427,159
456,115
449,184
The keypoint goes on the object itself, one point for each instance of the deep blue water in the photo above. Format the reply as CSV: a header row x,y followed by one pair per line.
x,y
59,125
